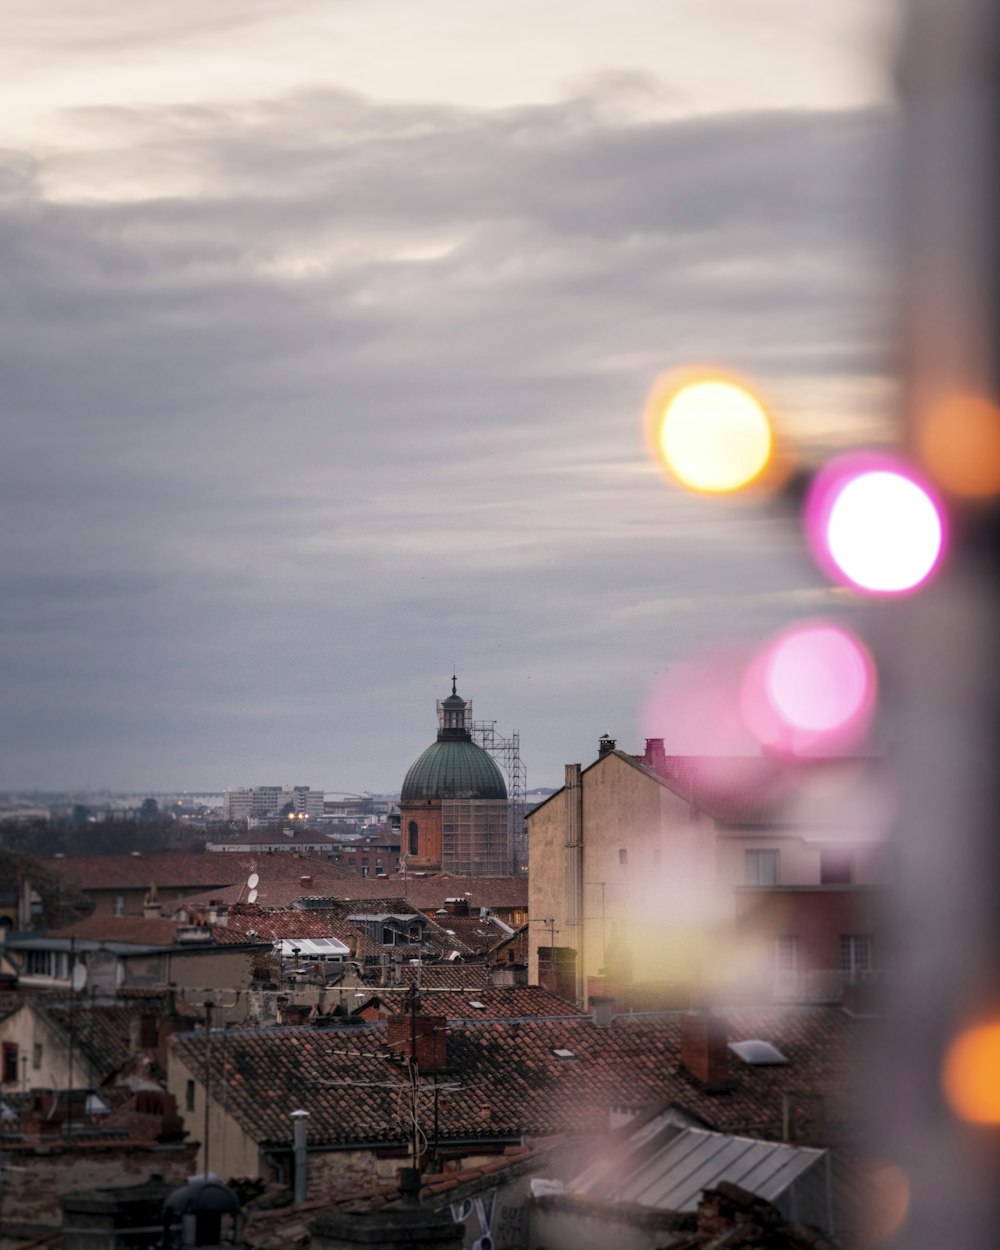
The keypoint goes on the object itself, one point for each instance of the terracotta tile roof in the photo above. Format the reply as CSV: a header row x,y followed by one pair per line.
x,y
517,1002
220,875
102,1034
139,930
455,976
477,934
271,924
504,1079
132,872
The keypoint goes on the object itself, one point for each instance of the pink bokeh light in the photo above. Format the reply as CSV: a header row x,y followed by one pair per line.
x,y
872,524
810,690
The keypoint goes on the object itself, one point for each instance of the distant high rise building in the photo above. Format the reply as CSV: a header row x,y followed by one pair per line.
x,y
268,802
453,804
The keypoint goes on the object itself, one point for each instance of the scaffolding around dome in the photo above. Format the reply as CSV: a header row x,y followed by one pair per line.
x,y
455,814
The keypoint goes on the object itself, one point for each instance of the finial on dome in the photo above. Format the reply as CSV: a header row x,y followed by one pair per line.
x,y
454,684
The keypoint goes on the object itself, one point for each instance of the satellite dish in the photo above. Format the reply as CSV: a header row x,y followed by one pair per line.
x,y
253,881
252,896
78,978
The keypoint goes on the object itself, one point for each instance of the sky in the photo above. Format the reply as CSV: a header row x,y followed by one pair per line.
x,y
327,332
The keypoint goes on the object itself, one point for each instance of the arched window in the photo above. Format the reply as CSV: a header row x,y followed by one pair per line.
x,y
414,843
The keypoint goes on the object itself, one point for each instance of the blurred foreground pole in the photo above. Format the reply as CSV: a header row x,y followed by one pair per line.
x,y
941,648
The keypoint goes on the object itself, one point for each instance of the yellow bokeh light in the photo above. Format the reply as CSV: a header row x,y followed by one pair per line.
x,y
971,1075
714,436
959,442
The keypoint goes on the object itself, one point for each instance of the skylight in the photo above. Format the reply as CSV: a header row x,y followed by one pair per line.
x,y
561,1052
757,1052
474,1002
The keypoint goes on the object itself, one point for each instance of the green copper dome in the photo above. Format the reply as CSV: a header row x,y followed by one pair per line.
x,y
454,767
453,770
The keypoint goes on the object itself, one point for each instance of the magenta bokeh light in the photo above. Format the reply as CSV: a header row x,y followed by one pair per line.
x,y
872,524
810,689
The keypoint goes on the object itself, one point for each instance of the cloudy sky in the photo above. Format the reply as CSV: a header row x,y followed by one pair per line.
x,y
327,332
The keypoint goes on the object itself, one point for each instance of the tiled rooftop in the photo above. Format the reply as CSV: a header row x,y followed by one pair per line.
x,y
222,875
505,1079
102,1034
479,1004
271,924
141,931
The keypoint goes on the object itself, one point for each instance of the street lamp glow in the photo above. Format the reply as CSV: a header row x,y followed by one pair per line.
x,y
713,436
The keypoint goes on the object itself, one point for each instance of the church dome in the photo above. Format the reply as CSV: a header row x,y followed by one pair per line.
x,y
453,770
454,767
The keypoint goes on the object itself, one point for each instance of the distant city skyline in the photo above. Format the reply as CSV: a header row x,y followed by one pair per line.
x,y
328,335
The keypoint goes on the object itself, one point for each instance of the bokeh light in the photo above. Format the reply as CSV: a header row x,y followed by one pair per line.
x,y
959,443
712,435
873,525
971,1074
884,1191
812,688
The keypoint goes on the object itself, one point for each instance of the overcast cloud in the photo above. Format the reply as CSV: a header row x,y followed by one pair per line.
x,y
308,398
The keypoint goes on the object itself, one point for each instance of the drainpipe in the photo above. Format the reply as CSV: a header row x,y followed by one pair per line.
x,y
299,1131
574,867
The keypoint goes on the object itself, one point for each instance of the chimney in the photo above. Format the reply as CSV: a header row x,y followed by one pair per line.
x,y
704,1048
430,1034
218,913
151,909
605,745
299,1131
655,756
456,906
305,880
602,1006
24,901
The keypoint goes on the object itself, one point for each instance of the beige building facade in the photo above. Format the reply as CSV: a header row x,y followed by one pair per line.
x,y
687,872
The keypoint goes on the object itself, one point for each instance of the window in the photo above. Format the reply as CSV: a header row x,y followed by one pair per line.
x,y
786,953
9,1063
53,964
119,905
760,867
414,839
623,856
856,953
189,1096
36,1056
836,868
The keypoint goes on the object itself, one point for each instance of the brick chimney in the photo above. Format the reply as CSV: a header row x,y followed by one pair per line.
x,y
431,1038
704,1048
655,757
605,745
456,906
